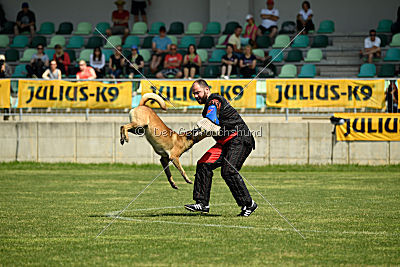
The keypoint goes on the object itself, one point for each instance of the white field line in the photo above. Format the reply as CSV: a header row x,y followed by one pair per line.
x,y
256,228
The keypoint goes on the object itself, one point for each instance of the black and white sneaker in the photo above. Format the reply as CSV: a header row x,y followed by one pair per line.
x,y
198,207
247,211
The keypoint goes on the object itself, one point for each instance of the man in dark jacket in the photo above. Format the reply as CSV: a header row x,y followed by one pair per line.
x,y
25,21
234,144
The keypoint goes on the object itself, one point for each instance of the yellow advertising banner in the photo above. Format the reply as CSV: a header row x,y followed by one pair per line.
x,y
239,93
368,127
4,93
63,94
299,93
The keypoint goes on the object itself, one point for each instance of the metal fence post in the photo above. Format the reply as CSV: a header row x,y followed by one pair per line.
x,y
87,114
287,114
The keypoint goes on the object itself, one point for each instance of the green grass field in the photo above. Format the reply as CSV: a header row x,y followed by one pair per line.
x,y
51,213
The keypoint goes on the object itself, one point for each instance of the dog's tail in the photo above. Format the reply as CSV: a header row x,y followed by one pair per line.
x,y
152,96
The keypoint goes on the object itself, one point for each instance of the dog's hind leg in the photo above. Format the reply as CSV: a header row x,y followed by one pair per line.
x,y
164,162
177,164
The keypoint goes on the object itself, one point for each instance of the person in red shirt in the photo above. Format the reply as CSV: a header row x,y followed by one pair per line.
x,y
62,59
120,18
172,64
85,72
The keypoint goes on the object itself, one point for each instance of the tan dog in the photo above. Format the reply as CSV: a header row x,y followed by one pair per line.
x,y
166,143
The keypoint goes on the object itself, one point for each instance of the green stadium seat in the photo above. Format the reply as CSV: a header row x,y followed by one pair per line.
x,y
194,28
65,28
326,26
281,41
263,41
258,52
114,40
294,55
20,71
101,27
301,41
288,71
38,40
387,70
46,28
20,41
127,53
384,39
139,28
107,53
186,41
320,41
221,41
384,25
183,52
155,27
308,71
28,53
276,55
83,28
147,42
206,42
393,54
173,39
72,54
213,28
85,54
176,27
94,41
145,54
50,52
203,54
314,55
12,55
367,71
4,41
288,27
230,27
8,28
217,55
395,40
56,40
131,40
211,71
260,101
75,42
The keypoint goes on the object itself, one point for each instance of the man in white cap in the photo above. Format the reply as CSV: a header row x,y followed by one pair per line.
x,y
120,18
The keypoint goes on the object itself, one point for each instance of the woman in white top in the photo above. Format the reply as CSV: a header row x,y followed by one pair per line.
x,y
98,62
52,73
304,18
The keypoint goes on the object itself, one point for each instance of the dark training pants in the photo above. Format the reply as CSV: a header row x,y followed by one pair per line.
x,y
235,151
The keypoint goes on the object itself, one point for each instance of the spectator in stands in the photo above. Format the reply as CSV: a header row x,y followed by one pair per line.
x,y
304,18
5,70
247,63
235,41
120,18
250,32
98,62
53,72
371,46
85,72
38,64
137,62
62,59
172,64
396,25
160,47
25,21
270,16
392,98
116,63
138,6
191,63
229,62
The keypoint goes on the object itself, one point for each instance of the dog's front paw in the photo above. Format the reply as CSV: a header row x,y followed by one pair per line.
x,y
122,141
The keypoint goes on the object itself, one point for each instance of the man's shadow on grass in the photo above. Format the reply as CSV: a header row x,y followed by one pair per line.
x,y
157,215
